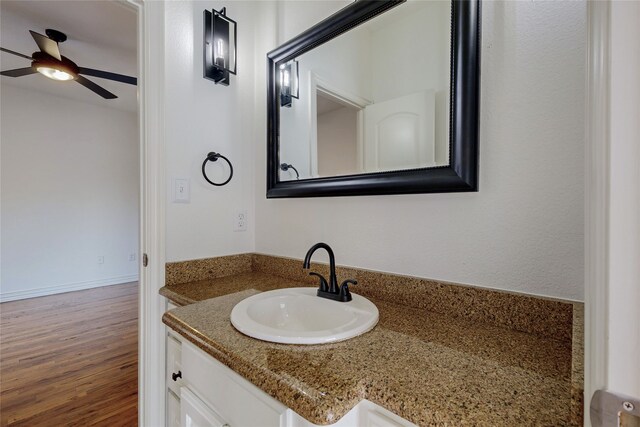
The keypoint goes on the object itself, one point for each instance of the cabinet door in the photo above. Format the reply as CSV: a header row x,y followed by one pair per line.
x,y
174,365
227,393
173,410
195,413
372,415
376,419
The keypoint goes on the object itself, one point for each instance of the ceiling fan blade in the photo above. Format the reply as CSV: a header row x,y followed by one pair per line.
x,y
15,53
18,72
94,87
107,75
46,45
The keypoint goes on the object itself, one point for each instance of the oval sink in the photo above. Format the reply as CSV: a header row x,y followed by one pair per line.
x,y
298,316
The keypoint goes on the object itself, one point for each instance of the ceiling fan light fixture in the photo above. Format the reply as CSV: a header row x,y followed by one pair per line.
x,y
50,63
59,70
55,73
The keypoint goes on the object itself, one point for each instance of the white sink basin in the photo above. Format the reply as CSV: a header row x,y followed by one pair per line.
x,y
298,316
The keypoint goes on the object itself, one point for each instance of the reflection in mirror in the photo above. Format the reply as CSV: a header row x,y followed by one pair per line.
x,y
289,80
338,135
373,99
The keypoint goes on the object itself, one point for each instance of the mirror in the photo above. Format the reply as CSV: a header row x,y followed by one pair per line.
x,y
379,98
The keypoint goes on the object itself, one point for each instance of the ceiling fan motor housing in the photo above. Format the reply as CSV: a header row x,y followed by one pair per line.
x,y
41,59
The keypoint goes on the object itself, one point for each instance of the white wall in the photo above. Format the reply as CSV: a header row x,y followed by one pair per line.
x,y
294,17
202,117
523,231
69,194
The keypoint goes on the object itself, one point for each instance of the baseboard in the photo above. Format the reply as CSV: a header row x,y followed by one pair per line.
x,y
59,289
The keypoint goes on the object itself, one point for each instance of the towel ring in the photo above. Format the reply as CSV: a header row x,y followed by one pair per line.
x,y
213,157
285,167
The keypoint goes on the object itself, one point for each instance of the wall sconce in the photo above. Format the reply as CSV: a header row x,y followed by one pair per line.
x,y
289,83
219,46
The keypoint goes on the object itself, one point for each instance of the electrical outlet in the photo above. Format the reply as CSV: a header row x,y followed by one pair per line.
x,y
240,221
132,257
101,259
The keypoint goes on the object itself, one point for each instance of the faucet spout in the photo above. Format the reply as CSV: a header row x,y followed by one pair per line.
x,y
333,281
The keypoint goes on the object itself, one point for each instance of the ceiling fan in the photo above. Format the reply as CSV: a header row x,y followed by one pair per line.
x,y
50,63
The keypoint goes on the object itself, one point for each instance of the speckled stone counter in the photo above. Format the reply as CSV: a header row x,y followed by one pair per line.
x,y
428,367
188,293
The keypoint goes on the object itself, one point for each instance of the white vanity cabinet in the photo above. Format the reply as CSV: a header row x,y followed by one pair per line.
x,y
195,413
202,392
211,394
173,410
174,363
173,379
230,399
173,375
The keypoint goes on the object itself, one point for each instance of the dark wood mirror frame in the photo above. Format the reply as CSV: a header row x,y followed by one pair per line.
x,y
462,172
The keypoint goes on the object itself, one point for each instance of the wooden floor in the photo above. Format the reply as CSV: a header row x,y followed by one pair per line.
x,y
70,359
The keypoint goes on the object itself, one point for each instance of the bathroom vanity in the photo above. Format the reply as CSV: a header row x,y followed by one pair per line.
x,y
211,394
417,366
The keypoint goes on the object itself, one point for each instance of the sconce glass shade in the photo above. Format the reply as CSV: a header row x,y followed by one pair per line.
x,y
220,35
289,83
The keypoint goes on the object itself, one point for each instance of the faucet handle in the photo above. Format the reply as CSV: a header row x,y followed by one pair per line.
x,y
349,281
345,295
324,287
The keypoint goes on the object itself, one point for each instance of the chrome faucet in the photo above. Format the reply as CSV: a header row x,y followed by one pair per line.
x,y
330,290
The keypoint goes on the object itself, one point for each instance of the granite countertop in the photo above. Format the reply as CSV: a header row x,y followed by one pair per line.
x,y
429,368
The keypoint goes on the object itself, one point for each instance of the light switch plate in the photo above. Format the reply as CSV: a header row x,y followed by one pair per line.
x,y
181,190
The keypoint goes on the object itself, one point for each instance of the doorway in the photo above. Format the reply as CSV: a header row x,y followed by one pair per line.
x,y
338,127
70,198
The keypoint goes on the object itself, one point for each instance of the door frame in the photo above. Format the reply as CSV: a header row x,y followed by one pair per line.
x,y
612,321
151,332
596,200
